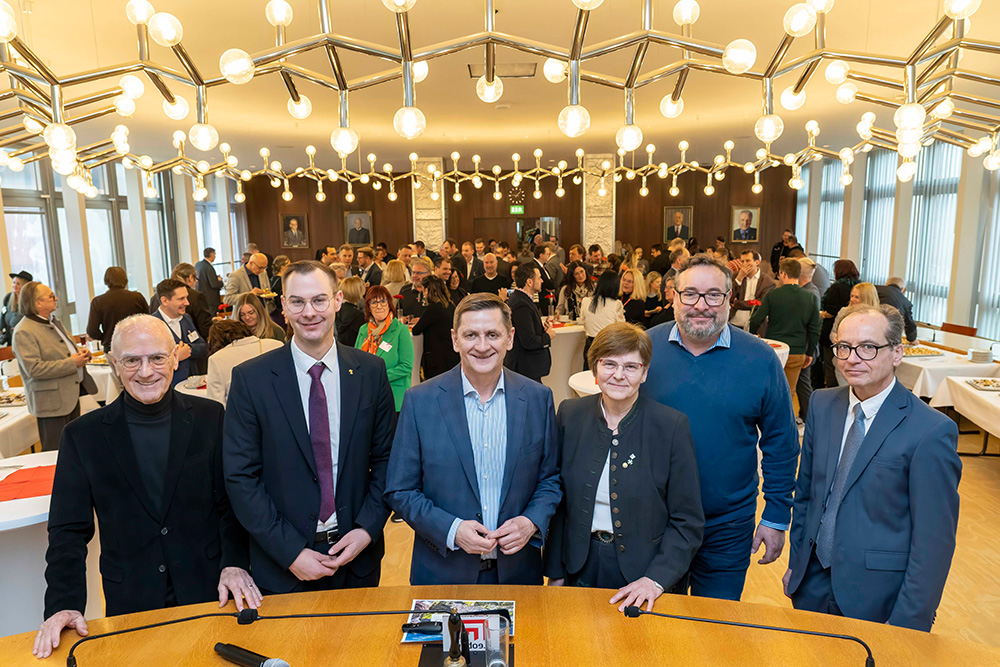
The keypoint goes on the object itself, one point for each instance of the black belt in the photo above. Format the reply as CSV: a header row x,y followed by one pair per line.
x,y
603,536
327,537
487,564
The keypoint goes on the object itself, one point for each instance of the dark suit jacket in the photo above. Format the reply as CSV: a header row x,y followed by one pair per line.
x,y
374,276
433,478
194,533
110,308
894,296
199,349
672,232
895,531
749,235
271,472
660,263
658,500
439,352
197,308
530,355
348,322
209,284
411,303
765,284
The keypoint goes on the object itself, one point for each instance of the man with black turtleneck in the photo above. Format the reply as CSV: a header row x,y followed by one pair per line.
x,y
168,534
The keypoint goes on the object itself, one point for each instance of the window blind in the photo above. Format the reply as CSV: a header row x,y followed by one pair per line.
x,y
988,303
876,221
831,215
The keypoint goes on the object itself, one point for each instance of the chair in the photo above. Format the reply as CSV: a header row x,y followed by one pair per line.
x,y
10,370
948,327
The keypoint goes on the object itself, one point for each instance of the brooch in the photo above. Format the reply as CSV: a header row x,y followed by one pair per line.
x,y
631,460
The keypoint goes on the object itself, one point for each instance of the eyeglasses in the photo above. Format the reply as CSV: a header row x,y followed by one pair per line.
x,y
610,366
378,302
155,360
296,305
865,351
712,299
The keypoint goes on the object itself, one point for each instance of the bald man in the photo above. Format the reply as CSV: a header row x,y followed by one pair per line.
x,y
250,278
149,465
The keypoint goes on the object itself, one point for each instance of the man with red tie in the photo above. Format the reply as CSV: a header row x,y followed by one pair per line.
x,y
306,443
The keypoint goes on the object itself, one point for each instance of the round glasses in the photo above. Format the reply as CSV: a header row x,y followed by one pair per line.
x,y
865,351
296,304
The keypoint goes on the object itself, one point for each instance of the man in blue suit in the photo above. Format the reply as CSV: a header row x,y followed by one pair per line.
x,y
474,466
173,297
876,502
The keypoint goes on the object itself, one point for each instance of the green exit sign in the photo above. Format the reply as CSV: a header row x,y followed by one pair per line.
x,y
517,209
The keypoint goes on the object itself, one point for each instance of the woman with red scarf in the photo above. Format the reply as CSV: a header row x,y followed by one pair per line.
x,y
387,338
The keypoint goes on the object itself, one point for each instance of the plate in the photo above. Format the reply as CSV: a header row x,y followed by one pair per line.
x,y
10,399
985,384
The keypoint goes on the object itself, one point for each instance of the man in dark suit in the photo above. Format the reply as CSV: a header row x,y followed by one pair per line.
x,y
474,466
472,266
108,309
780,251
293,237
368,270
150,465
894,294
745,231
306,446
209,283
530,355
359,234
751,284
660,261
173,297
678,230
876,501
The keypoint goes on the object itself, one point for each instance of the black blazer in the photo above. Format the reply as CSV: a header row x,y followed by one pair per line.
x,y
110,308
374,276
271,472
894,296
656,498
836,297
194,535
530,355
439,353
349,321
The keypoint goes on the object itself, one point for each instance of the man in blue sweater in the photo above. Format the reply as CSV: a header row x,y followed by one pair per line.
x,y
733,390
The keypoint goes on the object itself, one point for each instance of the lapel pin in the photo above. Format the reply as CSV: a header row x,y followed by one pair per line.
x,y
350,371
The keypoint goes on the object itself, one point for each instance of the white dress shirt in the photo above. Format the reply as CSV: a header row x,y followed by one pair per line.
x,y
869,406
741,318
602,499
174,323
331,384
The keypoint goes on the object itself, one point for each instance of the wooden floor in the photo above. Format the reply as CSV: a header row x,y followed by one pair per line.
x,y
970,608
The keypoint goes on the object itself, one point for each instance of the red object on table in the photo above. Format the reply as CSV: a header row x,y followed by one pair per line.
x,y
27,483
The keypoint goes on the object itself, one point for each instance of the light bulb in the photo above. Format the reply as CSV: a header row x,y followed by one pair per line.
x,y
286,195
864,130
74,181
791,101
300,109
310,150
420,70
674,191
165,29
275,165
992,162
349,197
602,191
686,12
560,192
669,108
240,197
756,188
799,20
122,148
150,192
399,6
574,120
906,171
709,190
961,9
409,122
139,12
497,195
836,72
739,56
132,86
643,191
577,179
847,155
812,127
768,128
178,110
146,162
203,136
278,13
457,196
246,175
344,140
91,192
236,66
435,196
124,106
15,164
377,185
846,92
392,196
909,116
489,92
821,6
203,166
554,70
846,179
796,183
588,5
683,145
33,126
943,109
908,149
629,137
232,160
60,136
364,178
909,135
64,168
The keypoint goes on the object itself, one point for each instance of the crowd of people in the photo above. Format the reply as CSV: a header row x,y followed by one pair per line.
x,y
286,480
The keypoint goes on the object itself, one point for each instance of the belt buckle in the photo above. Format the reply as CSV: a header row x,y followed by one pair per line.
x,y
332,536
604,537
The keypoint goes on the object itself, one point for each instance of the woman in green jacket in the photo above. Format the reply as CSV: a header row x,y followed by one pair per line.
x,y
387,338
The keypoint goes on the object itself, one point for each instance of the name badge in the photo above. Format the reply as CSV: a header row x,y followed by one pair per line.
x,y
193,336
384,346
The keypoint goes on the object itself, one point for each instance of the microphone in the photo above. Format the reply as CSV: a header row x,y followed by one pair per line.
x,y
635,612
241,656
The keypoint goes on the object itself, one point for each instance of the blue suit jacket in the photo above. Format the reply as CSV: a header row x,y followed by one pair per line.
x,y
199,347
895,531
433,480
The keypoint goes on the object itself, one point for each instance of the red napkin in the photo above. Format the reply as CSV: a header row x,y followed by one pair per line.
x,y
27,483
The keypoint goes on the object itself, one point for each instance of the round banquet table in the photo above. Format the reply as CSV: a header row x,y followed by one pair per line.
x,y
24,538
18,429
107,384
567,358
553,626
183,387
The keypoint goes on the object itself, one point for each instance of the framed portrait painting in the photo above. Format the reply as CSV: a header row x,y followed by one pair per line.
x,y
677,222
744,223
358,228
294,231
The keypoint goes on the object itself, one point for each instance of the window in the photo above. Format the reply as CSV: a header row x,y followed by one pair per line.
x,y
876,221
802,209
206,218
932,231
28,242
831,215
988,305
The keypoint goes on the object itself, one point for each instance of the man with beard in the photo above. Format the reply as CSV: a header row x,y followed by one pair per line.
x,y
732,388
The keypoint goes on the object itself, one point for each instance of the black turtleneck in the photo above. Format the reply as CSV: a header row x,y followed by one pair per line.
x,y
149,428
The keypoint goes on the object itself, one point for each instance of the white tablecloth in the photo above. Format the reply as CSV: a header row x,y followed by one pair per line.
x,y
18,431
925,376
23,541
781,350
193,391
584,383
567,359
982,408
107,385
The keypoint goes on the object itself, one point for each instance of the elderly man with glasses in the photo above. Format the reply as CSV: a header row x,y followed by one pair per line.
x,y
250,278
150,466
732,388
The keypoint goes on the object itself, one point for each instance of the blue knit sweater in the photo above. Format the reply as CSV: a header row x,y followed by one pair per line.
x,y
727,395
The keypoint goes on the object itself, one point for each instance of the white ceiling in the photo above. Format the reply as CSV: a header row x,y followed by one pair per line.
x,y
77,35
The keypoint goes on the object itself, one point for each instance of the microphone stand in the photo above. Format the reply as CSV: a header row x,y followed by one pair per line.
x,y
636,612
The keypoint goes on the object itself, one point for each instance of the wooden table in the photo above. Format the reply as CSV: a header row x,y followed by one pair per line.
x,y
564,627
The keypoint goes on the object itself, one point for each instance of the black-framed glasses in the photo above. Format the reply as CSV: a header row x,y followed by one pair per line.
x,y
296,304
865,351
713,299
